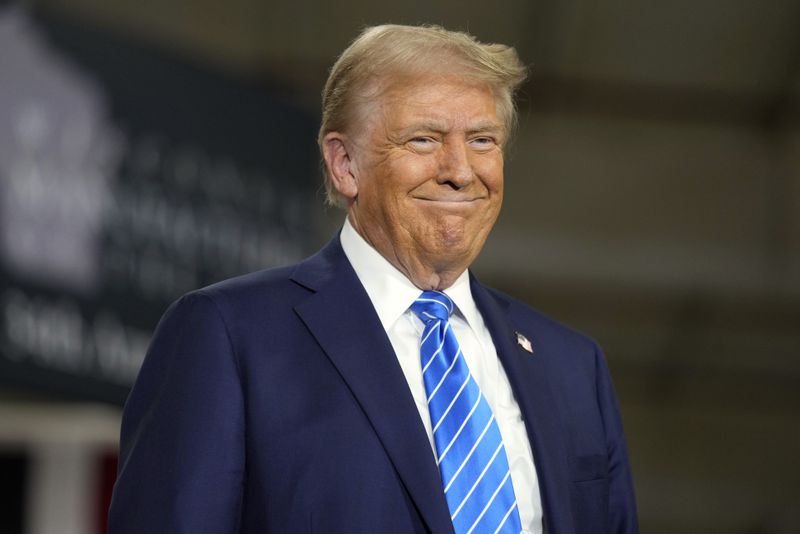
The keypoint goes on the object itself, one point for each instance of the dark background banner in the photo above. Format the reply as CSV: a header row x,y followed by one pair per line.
x,y
126,179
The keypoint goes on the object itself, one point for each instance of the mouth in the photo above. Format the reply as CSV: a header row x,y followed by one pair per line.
x,y
455,201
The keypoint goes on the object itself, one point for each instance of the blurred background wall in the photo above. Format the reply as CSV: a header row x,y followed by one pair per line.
x,y
653,202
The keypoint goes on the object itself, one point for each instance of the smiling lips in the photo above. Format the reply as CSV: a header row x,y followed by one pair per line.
x,y
449,200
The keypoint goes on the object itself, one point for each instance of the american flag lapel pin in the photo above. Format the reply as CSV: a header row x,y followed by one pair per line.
x,y
524,342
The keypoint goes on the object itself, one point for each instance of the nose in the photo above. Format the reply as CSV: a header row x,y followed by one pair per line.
x,y
455,166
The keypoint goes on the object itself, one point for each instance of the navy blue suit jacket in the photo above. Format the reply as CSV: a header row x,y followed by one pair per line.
x,y
273,402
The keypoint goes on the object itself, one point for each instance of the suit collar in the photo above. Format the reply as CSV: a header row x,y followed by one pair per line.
x,y
342,319
318,270
389,290
528,376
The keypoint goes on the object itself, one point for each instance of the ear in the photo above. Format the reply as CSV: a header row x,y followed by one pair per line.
x,y
340,165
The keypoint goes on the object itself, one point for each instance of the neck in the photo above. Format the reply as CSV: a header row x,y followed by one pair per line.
x,y
426,275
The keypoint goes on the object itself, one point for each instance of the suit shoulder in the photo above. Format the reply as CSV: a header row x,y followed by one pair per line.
x,y
279,285
249,291
542,326
268,278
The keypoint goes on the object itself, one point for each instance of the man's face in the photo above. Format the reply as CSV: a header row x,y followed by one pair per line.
x,y
428,174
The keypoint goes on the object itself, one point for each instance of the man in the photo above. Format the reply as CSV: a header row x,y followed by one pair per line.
x,y
377,387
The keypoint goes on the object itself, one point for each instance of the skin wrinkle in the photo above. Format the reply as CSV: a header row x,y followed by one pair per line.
x,y
424,175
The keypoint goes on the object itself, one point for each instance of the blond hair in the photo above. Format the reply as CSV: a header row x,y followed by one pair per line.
x,y
381,51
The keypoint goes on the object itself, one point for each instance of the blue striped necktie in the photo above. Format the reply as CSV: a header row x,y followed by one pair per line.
x,y
469,447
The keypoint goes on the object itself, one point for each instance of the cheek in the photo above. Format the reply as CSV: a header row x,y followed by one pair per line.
x,y
497,176
385,198
415,171
405,180
490,170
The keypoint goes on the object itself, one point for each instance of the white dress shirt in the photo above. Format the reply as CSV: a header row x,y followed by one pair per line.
x,y
392,294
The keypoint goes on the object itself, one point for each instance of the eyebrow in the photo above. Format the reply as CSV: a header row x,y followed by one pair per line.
x,y
489,127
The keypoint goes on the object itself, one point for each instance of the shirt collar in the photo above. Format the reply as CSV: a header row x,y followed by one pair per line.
x,y
389,290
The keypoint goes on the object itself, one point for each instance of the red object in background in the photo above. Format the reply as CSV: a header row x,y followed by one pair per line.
x,y
107,475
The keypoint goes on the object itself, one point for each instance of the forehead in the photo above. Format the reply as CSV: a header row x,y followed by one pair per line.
x,y
446,100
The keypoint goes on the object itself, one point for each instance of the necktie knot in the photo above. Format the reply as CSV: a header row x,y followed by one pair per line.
x,y
432,306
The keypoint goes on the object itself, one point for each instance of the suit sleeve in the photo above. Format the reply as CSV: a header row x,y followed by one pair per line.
x,y
622,515
181,464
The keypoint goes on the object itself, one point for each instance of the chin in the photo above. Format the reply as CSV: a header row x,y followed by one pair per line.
x,y
456,251
461,237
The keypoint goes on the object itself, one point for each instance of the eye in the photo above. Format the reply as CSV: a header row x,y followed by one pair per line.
x,y
483,142
422,140
422,143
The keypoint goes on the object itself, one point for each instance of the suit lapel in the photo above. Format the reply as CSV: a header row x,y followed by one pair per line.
x,y
528,376
342,319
